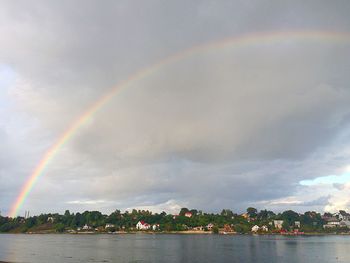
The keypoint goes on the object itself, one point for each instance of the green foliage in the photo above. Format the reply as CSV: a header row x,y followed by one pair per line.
x,y
59,227
8,226
252,212
310,221
30,222
242,228
183,211
286,225
226,213
265,215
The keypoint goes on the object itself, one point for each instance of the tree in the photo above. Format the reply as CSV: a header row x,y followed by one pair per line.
x,y
30,222
59,227
285,225
183,211
194,211
327,214
252,212
227,213
265,214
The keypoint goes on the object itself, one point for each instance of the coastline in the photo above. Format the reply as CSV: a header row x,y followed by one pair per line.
x,y
189,232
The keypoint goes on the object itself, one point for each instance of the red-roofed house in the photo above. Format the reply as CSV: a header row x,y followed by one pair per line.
x,y
142,225
188,214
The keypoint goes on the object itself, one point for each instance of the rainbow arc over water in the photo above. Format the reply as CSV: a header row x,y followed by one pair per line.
x,y
234,42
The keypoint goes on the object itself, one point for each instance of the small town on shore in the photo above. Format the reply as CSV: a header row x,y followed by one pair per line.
x,y
185,222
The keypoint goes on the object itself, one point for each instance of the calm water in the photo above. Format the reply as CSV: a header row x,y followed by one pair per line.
x,y
173,248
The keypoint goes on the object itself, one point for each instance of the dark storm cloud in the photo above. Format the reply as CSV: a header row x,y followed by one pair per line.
x,y
240,125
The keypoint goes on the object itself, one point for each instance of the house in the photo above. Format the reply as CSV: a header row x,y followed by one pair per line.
x,y
188,214
142,225
228,228
297,224
255,228
109,225
344,224
330,219
87,227
155,227
264,228
210,226
198,228
331,224
245,215
278,223
342,215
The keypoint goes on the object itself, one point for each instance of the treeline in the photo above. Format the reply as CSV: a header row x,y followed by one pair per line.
x,y
186,219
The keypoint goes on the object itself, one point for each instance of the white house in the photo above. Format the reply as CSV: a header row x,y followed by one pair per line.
x,y
87,227
297,224
342,215
255,228
264,228
109,226
198,228
155,227
210,226
278,223
332,223
142,225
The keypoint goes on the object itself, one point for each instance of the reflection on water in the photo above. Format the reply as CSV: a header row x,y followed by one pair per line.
x,y
172,248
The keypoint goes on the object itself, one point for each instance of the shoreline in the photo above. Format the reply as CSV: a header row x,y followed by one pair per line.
x,y
177,233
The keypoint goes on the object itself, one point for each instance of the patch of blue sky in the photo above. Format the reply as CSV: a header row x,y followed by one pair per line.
x,y
7,80
330,179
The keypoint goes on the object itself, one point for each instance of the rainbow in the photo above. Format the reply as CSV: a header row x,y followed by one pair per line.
x,y
238,41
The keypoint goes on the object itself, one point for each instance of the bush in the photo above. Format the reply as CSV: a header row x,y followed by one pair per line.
x,y
60,228
215,230
7,227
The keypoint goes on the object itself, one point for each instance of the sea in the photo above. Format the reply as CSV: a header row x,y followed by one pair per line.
x,y
45,248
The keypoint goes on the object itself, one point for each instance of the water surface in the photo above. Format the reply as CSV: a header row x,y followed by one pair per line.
x,y
173,248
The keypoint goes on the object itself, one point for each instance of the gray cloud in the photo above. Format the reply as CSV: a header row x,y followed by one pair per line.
x,y
339,186
222,128
321,201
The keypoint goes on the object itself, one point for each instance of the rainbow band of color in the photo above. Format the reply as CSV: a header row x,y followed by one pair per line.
x,y
243,40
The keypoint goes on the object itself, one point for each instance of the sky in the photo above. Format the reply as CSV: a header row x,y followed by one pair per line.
x,y
264,124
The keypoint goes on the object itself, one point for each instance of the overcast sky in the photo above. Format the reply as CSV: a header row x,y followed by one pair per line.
x,y
263,125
